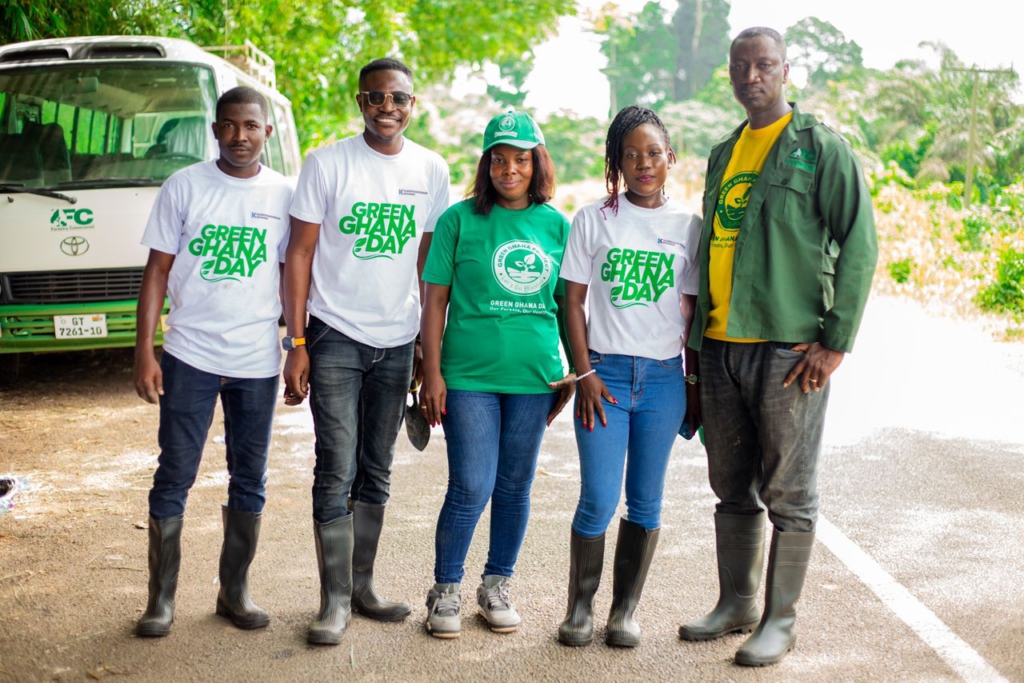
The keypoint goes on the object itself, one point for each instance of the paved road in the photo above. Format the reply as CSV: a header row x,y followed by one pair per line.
x,y
917,574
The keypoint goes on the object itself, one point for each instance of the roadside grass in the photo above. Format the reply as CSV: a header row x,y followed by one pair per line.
x,y
969,262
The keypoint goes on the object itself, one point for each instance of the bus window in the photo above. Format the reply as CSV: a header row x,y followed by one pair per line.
x,y
284,129
118,121
272,150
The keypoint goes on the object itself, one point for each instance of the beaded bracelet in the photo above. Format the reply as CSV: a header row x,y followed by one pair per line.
x,y
586,374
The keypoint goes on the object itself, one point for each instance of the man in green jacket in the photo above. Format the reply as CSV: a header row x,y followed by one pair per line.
x,y
788,254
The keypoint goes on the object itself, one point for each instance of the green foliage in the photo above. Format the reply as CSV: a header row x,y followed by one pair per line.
x,y
653,59
576,146
1006,294
920,116
952,264
891,174
975,227
906,156
900,270
717,92
509,91
821,49
641,57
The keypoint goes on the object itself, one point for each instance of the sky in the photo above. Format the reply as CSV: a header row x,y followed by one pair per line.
x,y
567,75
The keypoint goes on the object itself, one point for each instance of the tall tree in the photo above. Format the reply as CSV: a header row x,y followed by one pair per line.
x,y
701,29
640,49
653,59
821,49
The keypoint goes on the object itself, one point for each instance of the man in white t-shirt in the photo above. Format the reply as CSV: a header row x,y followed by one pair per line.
x,y
362,218
216,235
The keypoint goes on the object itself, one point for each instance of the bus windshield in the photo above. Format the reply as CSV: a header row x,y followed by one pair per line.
x,y
103,125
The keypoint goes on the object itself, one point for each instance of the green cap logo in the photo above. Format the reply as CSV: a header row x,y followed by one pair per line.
x,y
516,128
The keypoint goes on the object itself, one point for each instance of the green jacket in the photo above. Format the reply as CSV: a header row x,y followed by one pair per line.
x,y
806,250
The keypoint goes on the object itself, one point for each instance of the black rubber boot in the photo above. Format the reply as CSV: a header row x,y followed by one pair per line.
x,y
368,520
334,557
740,541
164,561
775,635
586,560
634,551
241,535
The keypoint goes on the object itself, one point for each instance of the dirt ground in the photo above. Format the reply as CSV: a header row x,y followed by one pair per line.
x,y
932,496
73,574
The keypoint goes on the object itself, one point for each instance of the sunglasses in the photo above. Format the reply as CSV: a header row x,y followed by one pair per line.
x,y
377,98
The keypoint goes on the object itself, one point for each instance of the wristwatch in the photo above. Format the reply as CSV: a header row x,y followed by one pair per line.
x,y
292,343
691,379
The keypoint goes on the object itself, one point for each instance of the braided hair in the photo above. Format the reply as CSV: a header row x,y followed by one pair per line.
x,y
625,121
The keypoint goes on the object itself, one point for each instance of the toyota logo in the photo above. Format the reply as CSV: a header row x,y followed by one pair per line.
x,y
74,246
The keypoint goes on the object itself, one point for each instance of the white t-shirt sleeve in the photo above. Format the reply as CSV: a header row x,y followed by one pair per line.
x,y
167,219
691,276
309,203
282,248
440,199
578,260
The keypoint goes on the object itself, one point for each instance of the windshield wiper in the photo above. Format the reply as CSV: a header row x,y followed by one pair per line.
x,y
107,182
43,192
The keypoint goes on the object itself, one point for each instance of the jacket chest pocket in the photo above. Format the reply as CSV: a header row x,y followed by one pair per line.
x,y
790,195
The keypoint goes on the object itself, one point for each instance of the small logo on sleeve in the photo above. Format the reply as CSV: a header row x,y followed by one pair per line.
x,y
263,216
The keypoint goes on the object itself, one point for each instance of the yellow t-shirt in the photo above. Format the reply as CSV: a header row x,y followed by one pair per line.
x,y
743,170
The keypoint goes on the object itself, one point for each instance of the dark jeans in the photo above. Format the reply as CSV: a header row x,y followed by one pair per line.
x,y
186,412
357,395
762,440
493,443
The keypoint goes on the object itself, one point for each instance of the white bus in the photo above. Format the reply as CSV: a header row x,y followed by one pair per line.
x,y
89,129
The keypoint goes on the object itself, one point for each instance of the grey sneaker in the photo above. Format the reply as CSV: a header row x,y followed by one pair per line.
x,y
495,604
443,605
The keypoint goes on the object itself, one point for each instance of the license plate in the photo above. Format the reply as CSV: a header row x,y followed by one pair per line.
x,y
80,326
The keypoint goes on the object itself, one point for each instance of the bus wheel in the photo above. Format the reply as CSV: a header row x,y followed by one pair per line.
x,y
10,365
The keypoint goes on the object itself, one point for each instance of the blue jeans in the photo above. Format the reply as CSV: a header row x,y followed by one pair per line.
x,y
357,395
763,440
186,412
651,397
493,443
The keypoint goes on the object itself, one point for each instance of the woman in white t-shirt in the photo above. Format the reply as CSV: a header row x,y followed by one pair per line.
x,y
635,253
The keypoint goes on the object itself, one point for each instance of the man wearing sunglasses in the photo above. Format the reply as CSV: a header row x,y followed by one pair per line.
x,y
361,219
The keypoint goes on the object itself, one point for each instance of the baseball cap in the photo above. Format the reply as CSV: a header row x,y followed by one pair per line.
x,y
516,128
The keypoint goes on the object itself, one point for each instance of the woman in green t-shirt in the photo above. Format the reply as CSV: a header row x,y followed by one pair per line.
x,y
493,269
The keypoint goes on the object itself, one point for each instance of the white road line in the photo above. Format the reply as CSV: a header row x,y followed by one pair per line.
x,y
960,656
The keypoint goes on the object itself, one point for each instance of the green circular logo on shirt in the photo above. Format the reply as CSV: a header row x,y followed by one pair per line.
x,y
733,198
521,267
